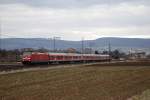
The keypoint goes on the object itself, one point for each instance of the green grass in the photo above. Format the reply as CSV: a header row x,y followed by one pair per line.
x,y
76,83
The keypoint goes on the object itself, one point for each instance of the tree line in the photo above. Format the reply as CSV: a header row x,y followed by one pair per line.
x,y
16,54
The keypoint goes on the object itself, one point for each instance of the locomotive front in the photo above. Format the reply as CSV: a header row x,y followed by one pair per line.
x,y
26,58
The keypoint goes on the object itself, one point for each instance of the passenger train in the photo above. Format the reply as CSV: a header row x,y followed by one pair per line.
x,y
50,58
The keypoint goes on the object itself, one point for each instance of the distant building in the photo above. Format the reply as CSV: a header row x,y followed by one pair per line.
x,y
137,55
71,50
27,49
88,50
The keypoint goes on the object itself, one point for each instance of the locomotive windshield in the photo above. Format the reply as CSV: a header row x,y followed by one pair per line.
x,y
27,53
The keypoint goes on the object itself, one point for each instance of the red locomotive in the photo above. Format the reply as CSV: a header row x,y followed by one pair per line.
x,y
36,57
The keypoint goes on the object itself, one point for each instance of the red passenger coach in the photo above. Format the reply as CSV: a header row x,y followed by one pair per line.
x,y
64,57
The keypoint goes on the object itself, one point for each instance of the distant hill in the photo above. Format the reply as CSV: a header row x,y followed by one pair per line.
x,y
101,43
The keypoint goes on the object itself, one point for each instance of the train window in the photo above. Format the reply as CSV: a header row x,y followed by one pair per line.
x,y
75,57
59,57
52,57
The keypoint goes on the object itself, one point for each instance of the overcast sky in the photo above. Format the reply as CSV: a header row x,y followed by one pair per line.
x,y
75,19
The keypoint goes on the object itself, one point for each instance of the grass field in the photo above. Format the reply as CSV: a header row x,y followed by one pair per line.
x,y
76,83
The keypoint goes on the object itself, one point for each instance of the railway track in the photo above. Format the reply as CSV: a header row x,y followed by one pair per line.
x,y
19,66
8,68
12,68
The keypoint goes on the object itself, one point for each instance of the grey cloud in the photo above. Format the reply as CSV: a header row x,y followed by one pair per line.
x,y
118,19
72,3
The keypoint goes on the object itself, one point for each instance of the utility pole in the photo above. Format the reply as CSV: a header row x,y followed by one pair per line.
x,y
54,42
82,43
90,46
50,39
82,47
131,51
109,47
0,34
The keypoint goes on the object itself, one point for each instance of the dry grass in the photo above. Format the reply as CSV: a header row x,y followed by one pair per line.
x,y
76,83
143,96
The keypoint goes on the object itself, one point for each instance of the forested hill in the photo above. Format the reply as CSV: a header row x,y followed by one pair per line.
x,y
101,43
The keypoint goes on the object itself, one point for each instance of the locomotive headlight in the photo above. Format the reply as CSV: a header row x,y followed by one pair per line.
x,y
27,58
